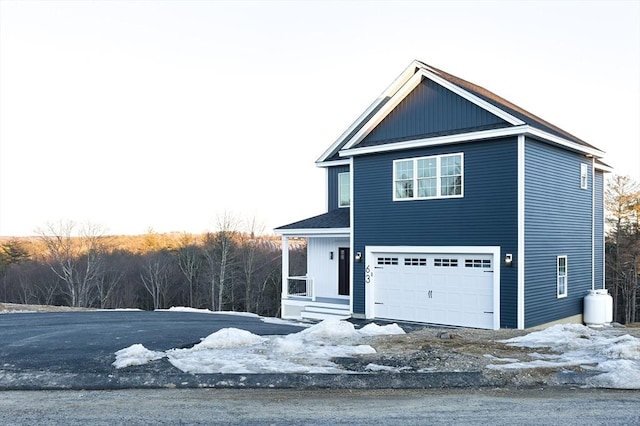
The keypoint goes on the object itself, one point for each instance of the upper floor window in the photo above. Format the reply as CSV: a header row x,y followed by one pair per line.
x,y
438,176
562,276
344,190
584,176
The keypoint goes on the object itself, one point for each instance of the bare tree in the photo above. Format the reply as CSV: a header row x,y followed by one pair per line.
x,y
76,259
189,262
249,245
155,277
218,252
623,251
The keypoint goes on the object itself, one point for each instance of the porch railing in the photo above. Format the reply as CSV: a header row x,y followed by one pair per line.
x,y
300,286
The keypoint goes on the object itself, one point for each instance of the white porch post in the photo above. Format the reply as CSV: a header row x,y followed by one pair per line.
x,y
285,267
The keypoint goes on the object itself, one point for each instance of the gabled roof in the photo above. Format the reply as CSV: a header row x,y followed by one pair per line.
x,y
519,121
337,220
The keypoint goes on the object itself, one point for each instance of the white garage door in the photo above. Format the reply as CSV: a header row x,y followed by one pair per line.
x,y
440,288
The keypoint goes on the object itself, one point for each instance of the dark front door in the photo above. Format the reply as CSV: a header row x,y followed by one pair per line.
x,y
343,270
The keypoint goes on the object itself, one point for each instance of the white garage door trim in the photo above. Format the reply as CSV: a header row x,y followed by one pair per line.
x,y
370,260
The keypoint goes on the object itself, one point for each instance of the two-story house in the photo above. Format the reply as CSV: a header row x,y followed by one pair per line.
x,y
447,204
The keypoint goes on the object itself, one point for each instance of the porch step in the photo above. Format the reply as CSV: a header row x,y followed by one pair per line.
x,y
322,313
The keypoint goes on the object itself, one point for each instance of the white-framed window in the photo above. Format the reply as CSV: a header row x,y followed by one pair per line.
x,y
437,176
344,189
584,176
562,268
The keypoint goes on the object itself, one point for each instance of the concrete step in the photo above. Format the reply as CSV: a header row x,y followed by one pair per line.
x,y
322,313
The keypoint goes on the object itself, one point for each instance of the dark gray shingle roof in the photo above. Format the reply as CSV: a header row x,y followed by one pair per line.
x,y
338,218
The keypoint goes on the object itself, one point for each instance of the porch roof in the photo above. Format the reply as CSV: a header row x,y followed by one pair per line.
x,y
337,220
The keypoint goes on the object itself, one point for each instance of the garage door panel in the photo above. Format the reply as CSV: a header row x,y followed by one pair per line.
x,y
454,289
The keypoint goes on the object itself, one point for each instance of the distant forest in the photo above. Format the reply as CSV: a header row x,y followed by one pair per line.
x,y
233,268
79,265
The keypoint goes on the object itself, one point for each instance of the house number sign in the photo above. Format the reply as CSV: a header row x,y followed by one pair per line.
x,y
367,274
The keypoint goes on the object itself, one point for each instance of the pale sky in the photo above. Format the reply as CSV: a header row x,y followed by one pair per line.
x,y
163,114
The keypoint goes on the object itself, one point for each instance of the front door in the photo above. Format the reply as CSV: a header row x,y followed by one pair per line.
x,y
343,270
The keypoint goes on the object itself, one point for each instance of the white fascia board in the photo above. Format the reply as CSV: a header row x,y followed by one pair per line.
x,y
440,140
314,232
532,131
385,110
473,136
333,163
387,93
408,88
603,168
472,98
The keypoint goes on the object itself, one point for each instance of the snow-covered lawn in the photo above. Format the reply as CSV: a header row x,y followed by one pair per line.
x,y
606,351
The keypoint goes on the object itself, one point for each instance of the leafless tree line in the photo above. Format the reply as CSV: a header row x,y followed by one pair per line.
x,y
622,248
232,268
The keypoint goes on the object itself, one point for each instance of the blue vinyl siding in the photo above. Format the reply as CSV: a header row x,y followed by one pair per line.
x,y
558,221
485,216
332,182
431,109
599,230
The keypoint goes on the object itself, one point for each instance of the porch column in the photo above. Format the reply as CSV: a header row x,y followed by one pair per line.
x,y
285,267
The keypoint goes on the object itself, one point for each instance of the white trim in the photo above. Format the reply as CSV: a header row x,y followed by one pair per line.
x,y
471,136
566,276
386,109
435,141
498,112
532,131
604,215
351,228
593,224
340,190
520,259
584,176
603,168
285,267
438,177
387,93
331,163
409,86
370,277
326,190
315,232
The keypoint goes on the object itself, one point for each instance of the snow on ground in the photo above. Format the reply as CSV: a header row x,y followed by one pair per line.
x,y
616,357
231,350
240,314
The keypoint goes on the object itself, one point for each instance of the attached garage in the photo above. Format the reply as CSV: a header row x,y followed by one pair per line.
x,y
458,286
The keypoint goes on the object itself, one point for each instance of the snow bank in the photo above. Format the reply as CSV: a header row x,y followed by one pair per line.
x,y
135,355
236,351
602,350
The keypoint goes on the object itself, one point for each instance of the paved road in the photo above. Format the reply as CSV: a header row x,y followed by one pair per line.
x,y
85,342
553,406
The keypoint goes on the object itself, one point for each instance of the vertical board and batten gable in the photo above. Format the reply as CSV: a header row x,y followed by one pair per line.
x,y
485,216
431,109
332,185
598,198
558,221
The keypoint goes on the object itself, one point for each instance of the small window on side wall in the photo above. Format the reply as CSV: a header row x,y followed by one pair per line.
x,y
562,282
344,190
584,176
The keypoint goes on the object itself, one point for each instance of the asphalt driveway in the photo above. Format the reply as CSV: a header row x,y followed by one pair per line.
x,y
82,344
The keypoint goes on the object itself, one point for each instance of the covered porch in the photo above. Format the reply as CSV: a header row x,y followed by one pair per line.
x,y
324,290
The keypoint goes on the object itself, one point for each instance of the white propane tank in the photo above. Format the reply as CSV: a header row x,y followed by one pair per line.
x,y
594,313
608,305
